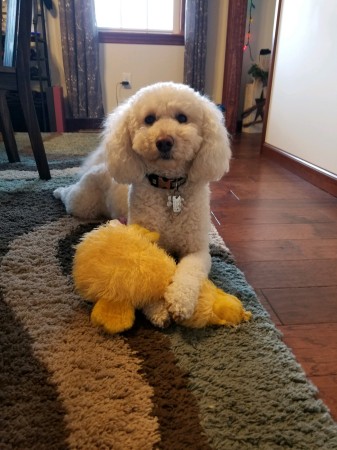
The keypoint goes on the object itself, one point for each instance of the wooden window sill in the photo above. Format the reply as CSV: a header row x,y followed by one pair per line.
x,y
112,37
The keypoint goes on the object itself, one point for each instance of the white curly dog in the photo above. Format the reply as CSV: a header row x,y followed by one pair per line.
x,y
158,153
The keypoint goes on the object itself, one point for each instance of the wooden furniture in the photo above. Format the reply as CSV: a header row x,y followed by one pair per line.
x,y
15,76
39,68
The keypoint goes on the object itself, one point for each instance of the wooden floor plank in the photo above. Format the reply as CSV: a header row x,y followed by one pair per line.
x,y
309,343
264,214
283,250
261,232
248,188
259,170
283,274
313,305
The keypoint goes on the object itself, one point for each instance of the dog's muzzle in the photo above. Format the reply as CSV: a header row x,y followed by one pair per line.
x,y
164,146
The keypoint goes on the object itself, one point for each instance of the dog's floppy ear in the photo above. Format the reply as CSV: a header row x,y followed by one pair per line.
x,y
123,163
212,160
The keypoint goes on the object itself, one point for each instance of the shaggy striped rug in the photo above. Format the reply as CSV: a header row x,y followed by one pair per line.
x,y
66,385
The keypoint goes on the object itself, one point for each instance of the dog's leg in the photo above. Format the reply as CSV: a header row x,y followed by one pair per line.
x,y
182,294
89,197
157,314
84,199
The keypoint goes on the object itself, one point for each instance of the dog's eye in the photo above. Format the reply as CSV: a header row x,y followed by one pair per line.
x,y
150,119
181,118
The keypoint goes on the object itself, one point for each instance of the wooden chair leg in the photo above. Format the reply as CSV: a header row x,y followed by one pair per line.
x,y
7,130
29,112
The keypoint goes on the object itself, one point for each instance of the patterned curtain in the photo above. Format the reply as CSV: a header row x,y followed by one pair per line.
x,y
195,43
79,39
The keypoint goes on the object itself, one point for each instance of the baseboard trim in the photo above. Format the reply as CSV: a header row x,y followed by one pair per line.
x,y
321,178
73,125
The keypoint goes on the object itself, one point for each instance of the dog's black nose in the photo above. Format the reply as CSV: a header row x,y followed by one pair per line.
x,y
165,144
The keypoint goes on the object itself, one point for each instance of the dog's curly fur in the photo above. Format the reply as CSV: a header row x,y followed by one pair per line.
x,y
114,181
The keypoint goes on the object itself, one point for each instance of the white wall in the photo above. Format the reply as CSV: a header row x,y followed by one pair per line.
x,y
302,115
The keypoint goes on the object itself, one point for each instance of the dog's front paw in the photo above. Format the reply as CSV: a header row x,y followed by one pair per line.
x,y
181,301
158,314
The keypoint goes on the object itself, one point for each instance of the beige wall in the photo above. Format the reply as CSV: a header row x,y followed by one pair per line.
x,y
216,48
302,115
55,47
146,63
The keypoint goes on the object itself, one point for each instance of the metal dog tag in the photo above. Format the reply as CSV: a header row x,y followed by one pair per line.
x,y
169,201
177,201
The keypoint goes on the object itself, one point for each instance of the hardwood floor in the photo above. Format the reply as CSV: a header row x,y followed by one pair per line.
x,y
283,233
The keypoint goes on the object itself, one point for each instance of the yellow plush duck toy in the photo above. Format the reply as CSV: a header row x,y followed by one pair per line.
x,y
116,267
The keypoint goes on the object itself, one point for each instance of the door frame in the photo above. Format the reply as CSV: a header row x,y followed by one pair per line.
x,y
236,30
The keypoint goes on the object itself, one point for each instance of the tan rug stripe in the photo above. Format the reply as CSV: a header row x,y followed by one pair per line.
x,y
56,143
108,403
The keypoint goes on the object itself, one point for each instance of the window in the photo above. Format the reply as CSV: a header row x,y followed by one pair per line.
x,y
140,21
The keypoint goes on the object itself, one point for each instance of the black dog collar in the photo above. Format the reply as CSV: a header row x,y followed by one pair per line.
x,y
165,183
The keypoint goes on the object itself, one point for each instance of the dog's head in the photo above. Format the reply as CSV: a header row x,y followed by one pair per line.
x,y
170,130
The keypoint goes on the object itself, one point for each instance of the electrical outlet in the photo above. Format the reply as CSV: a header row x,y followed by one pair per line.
x,y
126,80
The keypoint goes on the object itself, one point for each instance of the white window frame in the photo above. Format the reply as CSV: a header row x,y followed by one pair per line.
x,y
144,36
